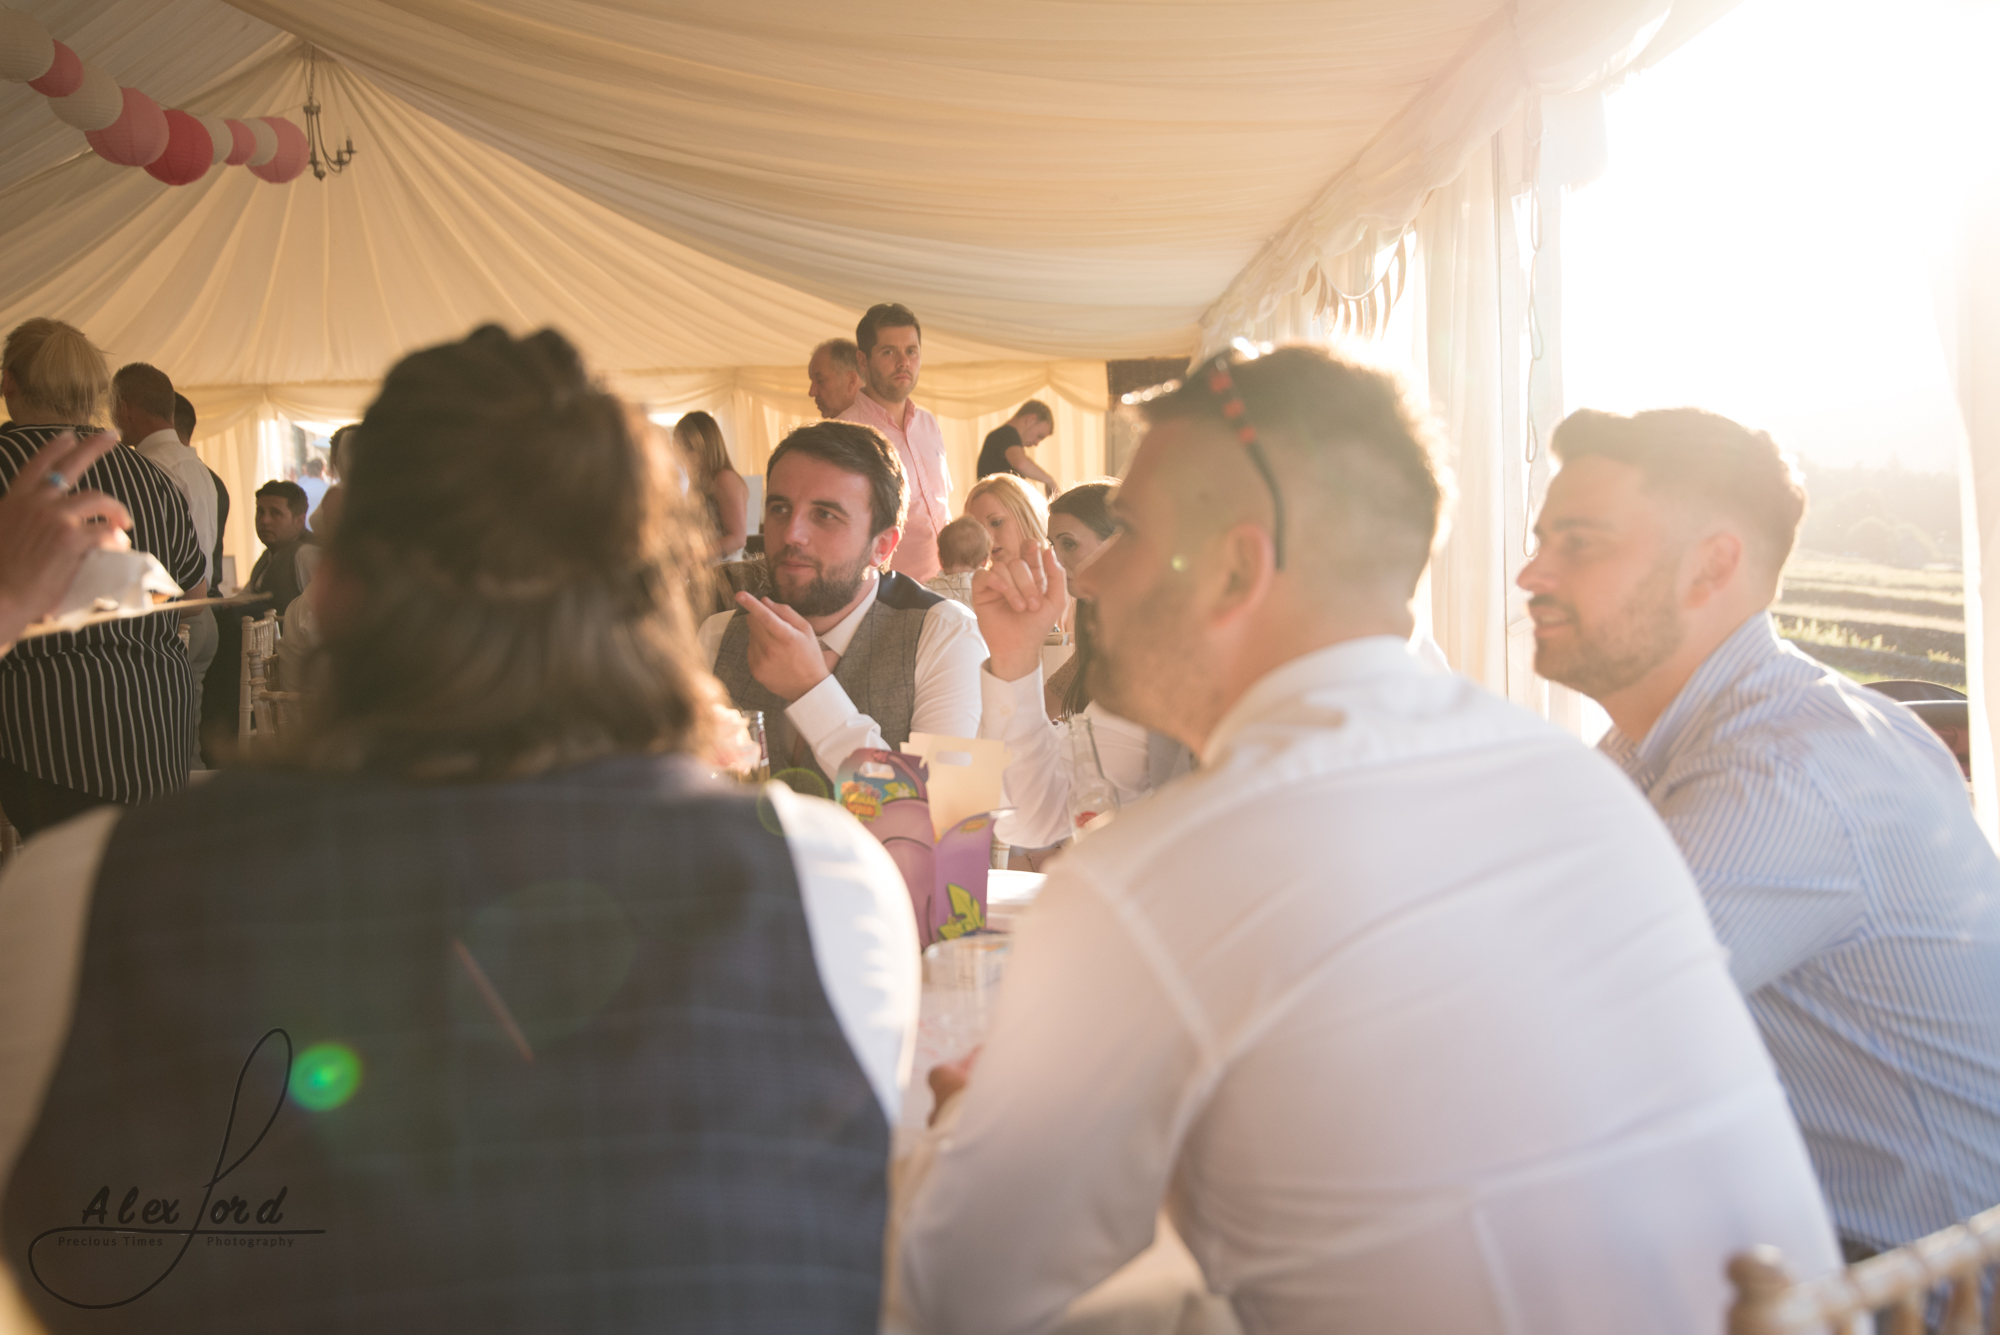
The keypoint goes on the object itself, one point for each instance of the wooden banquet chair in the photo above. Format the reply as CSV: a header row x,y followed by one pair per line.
x,y
1770,1302
256,717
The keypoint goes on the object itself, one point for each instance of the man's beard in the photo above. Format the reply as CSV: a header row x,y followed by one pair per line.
x,y
829,590
1608,658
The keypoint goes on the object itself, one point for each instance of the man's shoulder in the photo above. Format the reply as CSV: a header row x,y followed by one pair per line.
x,y
899,593
1795,710
863,410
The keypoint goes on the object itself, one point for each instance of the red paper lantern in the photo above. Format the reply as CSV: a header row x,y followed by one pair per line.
x,y
189,151
241,142
64,77
137,137
290,158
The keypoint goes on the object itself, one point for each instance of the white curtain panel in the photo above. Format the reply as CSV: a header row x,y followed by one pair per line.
x,y
1968,308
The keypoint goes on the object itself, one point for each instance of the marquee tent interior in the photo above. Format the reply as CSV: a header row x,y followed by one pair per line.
x,y
698,193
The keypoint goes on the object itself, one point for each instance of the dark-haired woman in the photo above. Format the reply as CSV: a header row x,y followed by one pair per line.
x,y
550,1029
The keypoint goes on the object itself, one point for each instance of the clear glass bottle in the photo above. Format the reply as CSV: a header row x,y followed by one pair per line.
x,y
1092,799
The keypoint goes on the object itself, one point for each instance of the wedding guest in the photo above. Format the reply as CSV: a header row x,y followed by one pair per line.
x,y
1826,825
844,654
100,714
184,424
579,1038
724,495
833,376
891,344
1079,523
1006,447
290,557
962,549
312,481
326,515
142,409
1403,1004
46,529
1015,516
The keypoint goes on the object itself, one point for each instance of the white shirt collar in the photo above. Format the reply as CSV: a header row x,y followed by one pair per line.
x,y
162,439
842,634
1337,664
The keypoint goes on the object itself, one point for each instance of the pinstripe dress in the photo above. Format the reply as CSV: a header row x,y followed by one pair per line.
x,y
1829,832
107,710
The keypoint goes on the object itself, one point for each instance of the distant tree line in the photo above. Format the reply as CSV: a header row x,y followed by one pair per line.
x,y
1882,514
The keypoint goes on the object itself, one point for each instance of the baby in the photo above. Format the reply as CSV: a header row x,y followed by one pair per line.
x,y
962,548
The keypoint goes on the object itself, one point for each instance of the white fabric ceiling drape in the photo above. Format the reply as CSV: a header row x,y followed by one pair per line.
x,y
698,193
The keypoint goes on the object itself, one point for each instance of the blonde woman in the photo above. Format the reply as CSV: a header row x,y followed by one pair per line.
x,y
713,478
1015,517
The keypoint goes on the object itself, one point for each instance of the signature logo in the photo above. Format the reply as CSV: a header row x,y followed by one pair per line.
x,y
223,1219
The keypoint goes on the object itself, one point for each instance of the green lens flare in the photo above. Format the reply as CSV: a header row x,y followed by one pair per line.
x,y
325,1076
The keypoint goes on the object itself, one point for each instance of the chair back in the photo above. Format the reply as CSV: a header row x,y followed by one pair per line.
x,y
256,719
1902,1282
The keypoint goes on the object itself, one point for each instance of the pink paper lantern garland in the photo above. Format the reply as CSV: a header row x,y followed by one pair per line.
x,y
189,152
126,127
63,77
241,143
137,137
290,158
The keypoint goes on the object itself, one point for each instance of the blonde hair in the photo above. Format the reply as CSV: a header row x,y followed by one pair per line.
x,y
1030,511
700,439
57,370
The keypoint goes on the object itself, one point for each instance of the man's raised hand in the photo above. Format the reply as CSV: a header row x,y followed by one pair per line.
x,y
1018,603
785,655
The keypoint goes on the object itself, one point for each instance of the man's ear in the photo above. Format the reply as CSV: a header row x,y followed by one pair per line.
x,y
1243,567
1718,565
884,546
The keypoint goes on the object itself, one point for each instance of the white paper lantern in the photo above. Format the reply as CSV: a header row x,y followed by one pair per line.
x,y
26,49
267,142
96,103
218,135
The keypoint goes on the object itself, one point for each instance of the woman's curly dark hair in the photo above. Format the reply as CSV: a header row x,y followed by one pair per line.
x,y
515,555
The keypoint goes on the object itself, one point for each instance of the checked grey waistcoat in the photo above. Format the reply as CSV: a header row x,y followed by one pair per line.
x,y
666,1132
878,672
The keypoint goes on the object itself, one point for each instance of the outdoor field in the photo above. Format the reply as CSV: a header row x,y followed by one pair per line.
x,y
1876,622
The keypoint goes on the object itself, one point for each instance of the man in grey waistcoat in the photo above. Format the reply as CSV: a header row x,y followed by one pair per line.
x,y
506,1016
848,654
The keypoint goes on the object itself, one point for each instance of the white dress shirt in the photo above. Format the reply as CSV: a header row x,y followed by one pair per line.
x,y
1036,782
949,652
857,910
1407,1007
191,475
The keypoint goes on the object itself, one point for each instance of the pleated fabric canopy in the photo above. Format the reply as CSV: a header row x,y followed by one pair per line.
x,y
697,193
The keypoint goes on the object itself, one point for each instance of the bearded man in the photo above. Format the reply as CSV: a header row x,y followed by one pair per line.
x,y
848,654
1826,825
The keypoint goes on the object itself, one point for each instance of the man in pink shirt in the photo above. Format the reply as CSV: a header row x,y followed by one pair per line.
x,y
892,351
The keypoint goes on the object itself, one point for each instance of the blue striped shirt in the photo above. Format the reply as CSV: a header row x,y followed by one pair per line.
x,y
1829,831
